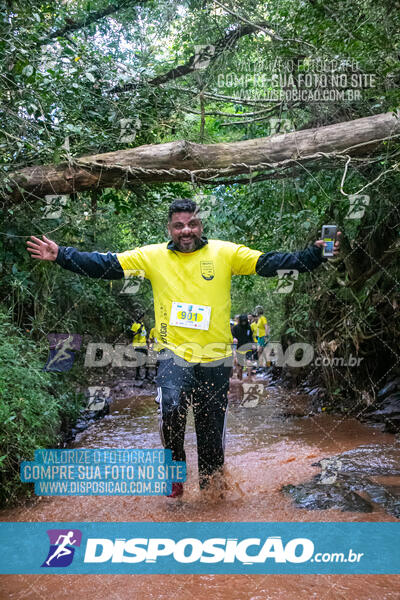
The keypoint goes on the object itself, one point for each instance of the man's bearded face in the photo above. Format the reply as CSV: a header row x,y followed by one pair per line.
x,y
185,229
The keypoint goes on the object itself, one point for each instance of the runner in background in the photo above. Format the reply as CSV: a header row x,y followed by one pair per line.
x,y
139,342
262,331
243,337
152,339
253,326
153,349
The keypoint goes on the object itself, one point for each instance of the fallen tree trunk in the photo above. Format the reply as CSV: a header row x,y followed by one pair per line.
x,y
207,164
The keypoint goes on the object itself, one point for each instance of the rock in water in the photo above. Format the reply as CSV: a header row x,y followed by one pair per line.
x,y
389,387
347,474
316,496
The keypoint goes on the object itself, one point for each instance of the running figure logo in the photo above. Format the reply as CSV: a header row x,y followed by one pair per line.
x,y
61,551
286,280
62,351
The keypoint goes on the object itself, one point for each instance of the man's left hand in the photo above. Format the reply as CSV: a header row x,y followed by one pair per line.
x,y
321,244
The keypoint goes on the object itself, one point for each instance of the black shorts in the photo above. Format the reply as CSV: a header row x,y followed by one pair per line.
x,y
205,386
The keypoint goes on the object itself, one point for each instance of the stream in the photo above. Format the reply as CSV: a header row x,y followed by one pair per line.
x,y
272,442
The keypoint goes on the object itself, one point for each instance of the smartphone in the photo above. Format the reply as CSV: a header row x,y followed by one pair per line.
x,y
328,234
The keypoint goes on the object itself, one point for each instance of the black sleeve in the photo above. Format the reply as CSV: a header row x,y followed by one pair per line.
x,y
92,264
302,261
235,331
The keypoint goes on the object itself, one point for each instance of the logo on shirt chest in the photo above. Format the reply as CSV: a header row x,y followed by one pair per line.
x,y
207,269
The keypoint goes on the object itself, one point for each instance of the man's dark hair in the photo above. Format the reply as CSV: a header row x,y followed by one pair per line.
x,y
181,205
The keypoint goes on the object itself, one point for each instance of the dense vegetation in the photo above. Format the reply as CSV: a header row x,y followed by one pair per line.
x,y
82,77
35,407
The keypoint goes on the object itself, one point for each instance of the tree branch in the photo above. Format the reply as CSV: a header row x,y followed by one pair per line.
x,y
221,98
231,115
220,46
85,21
269,32
274,36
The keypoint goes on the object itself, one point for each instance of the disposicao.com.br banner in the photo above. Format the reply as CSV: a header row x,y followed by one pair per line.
x,y
199,548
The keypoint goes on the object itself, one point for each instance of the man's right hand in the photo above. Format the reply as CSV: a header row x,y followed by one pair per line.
x,y
44,250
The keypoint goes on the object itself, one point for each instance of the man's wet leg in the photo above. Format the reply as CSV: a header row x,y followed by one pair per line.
x,y
210,402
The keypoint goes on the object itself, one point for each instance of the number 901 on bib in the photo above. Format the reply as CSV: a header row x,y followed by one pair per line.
x,y
194,316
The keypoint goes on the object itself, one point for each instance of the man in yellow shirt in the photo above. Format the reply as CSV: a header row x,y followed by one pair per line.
x,y
262,330
153,348
139,341
191,280
253,326
152,341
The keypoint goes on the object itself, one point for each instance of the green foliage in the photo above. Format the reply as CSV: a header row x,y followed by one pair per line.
x,y
34,406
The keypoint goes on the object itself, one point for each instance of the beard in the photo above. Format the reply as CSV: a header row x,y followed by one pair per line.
x,y
190,244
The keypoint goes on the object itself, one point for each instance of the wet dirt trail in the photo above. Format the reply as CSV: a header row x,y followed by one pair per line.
x,y
267,446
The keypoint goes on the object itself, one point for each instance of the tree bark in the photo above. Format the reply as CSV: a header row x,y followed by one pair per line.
x,y
208,163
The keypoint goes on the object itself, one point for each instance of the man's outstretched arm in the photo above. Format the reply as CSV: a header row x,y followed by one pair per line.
x,y
91,264
301,261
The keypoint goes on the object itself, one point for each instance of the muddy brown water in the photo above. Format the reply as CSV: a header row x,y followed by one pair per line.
x,y
265,449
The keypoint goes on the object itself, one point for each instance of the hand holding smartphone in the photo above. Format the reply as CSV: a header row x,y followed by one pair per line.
x,y
328,235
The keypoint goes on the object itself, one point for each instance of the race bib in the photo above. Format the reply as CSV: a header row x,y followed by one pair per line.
x,y
195,316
